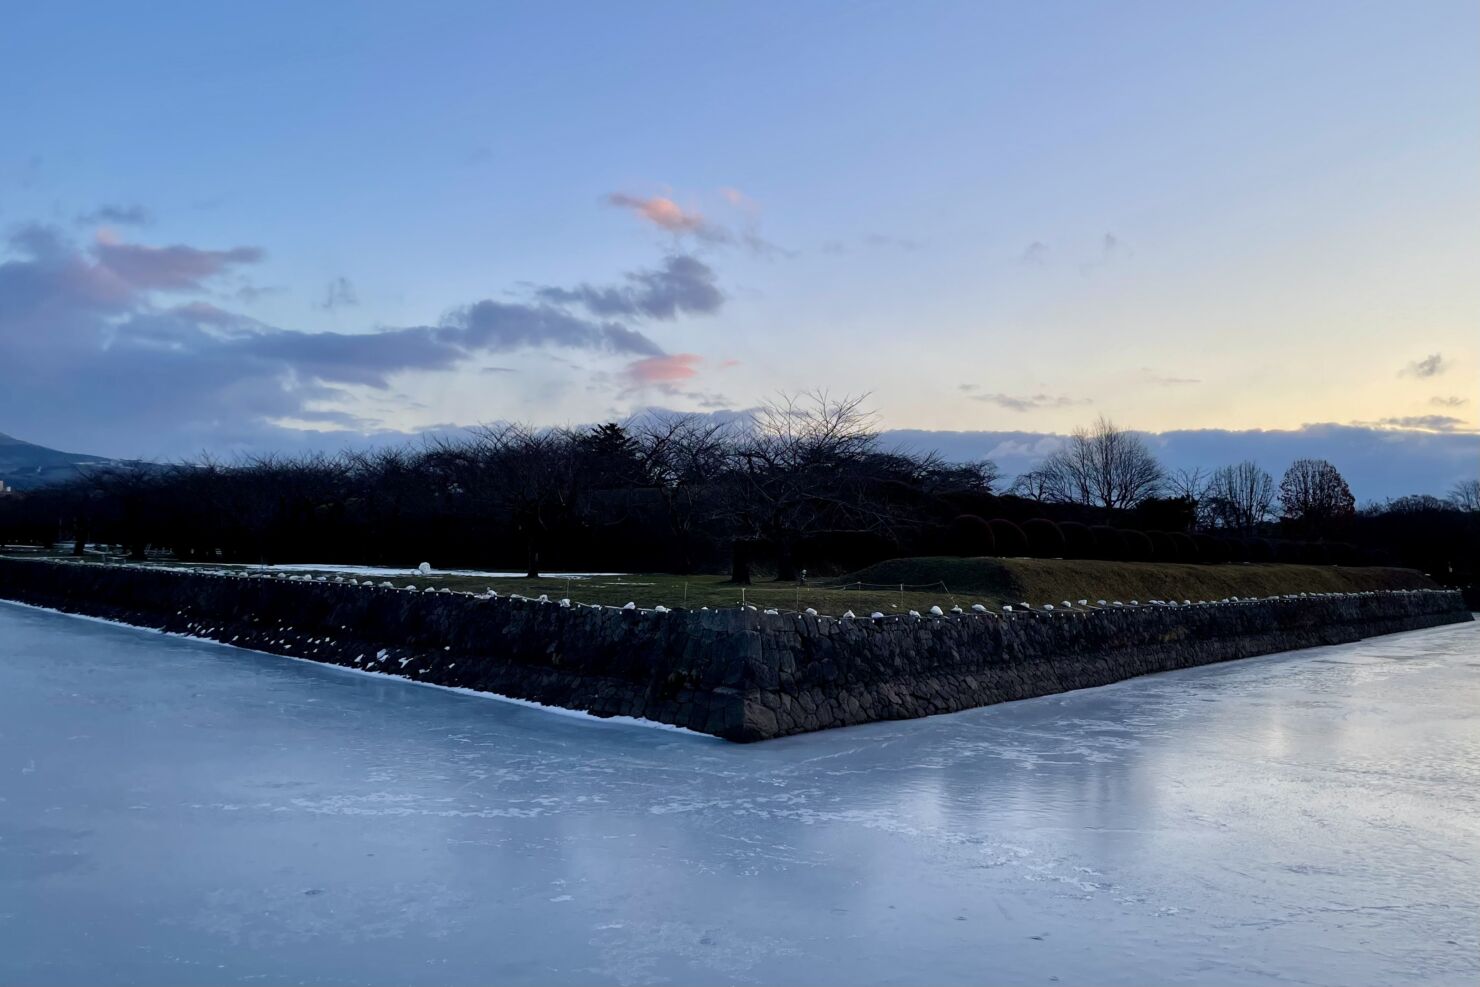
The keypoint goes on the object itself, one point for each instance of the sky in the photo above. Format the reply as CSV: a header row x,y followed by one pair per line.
x,y
1243,229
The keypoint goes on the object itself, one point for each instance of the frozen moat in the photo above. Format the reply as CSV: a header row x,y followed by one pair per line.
x,y
173,811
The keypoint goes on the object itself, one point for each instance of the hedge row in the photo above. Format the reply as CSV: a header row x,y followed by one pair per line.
x,y
1041,538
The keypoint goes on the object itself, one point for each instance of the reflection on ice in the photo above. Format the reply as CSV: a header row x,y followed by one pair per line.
x,y
205,814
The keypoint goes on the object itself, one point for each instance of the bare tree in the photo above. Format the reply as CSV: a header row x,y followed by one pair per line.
x,y
681,456
1240,497
532,477
1465,496
1036,485
801,468
1314,496
1101,466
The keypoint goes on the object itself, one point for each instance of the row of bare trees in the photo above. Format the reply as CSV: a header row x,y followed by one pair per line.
x,y
803,482
664,490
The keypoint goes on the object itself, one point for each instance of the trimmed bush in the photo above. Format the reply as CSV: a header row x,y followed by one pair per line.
x,y
1313,553
1187,550
1211,549
1163,549
1078,542
1109,544
1287,552
1258,550
1137,546
1045,541
1009,538
970,535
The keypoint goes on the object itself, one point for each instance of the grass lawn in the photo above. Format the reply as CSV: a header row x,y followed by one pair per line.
x,y
942,582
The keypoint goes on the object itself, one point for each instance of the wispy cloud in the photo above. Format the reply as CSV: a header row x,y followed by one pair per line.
x,y
1034,254
177,267
1428,423
682,285
131,215
664,213
669,369
1430,366
1112,250
340,294
1452,401
1155,377
1025,402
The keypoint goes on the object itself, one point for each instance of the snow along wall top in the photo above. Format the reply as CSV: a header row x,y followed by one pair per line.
x,y
738,673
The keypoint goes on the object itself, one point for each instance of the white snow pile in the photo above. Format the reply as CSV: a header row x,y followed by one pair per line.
x,y
425,568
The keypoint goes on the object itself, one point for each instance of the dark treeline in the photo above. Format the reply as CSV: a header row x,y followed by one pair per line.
x,y
803,484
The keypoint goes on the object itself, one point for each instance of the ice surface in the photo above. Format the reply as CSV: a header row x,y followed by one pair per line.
x,y
178,812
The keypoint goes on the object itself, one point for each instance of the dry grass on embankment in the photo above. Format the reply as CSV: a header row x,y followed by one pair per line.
x,y
943,582
1038,581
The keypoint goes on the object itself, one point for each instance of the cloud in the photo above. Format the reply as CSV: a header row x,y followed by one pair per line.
x,y
132,215
682,285
1154,377
1453,401
1112,250
102,354
666,214
1034,254
1028,402
894,242
340,294
1430,423
737,198
173,268
1430,366
664,369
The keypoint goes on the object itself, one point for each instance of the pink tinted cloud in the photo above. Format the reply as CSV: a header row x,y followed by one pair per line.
x,y
173,268
664,369
665,213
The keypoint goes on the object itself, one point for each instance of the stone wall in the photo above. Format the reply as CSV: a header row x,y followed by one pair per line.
x,y
736,673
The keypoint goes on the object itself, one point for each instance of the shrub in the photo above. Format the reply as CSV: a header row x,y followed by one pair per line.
x,y
1045,541
970,535
1137,545
1078,542
1009,538
1258,550
1211,549
1313,553
1163,549
1187,550
1108,542
1287,552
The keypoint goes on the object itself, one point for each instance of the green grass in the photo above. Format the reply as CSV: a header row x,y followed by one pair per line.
x,y
946,582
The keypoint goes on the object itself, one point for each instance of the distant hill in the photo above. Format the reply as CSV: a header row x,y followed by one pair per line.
x,y
25,465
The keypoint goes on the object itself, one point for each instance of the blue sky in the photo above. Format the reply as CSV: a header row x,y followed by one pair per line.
x,y
277,225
